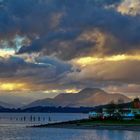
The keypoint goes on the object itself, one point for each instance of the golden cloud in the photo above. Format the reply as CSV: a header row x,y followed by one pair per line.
x,y
117,68
89,60
72,90
130,7
13,86
6,53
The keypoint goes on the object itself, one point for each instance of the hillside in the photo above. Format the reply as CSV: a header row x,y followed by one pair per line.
x,y
87,97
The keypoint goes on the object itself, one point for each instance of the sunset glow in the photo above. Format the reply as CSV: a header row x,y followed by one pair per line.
x,y
84,61
62,91
6,52
12,86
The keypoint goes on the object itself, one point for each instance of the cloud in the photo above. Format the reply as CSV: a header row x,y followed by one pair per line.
x,y
131,90
120,30
118,71
48,36
53,27
129,7
35,75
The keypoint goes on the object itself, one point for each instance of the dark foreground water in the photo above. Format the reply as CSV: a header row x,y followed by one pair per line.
x,y
13,127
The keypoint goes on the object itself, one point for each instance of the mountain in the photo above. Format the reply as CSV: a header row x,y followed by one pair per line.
x,y
14,100
6,105
87,97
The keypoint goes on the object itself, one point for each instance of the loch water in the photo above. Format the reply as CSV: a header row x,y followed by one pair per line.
x,y
13,127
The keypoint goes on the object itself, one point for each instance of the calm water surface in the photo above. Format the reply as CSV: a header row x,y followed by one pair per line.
x,y
13,127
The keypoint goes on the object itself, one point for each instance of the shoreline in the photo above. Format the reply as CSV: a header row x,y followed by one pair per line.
x,y
89,124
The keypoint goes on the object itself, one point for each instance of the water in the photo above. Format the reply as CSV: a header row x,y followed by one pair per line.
x,y
12,127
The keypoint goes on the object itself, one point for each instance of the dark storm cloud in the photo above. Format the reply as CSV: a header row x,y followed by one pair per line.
x,y
24,16
43,71
53,26
63,46
60,66
82,17
56,31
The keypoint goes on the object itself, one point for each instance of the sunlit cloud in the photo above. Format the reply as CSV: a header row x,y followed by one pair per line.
x,y
84,61
72,90
6,52
13,86
130,7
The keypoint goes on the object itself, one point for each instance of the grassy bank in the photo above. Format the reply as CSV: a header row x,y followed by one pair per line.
x,y
132,125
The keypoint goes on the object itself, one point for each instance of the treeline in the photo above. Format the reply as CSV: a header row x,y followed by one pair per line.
x,y
45,109
135,104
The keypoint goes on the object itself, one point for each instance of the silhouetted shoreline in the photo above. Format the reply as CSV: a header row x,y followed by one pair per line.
x,y
90,124
59,109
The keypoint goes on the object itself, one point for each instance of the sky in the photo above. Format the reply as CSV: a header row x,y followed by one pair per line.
x,y
62,46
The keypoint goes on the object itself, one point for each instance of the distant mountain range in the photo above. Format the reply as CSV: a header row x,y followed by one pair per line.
x,y
6,105
88,97
13,100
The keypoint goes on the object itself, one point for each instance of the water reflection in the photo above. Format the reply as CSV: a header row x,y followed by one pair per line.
x,y
22,133
108,135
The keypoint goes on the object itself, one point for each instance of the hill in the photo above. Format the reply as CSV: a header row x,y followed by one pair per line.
x,y
88,97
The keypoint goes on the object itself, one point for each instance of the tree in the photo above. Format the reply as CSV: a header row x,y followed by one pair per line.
x,y
111,107
136,103
119,105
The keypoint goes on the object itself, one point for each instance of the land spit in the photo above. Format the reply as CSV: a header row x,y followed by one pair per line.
x,y
129,125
